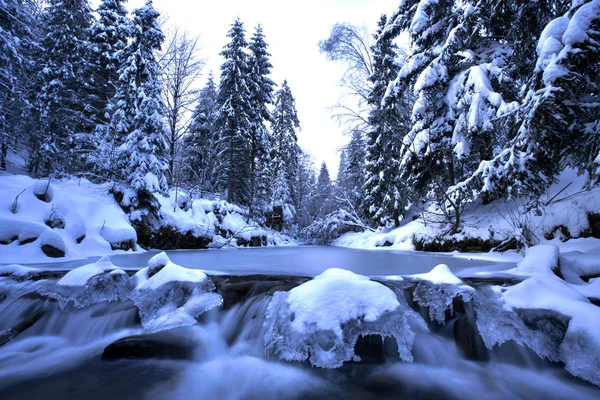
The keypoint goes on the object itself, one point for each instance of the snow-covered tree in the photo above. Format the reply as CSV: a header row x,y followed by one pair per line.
x,y
285,151
383,198
144,153
108,38
351,174
201,151
63,116
235,116
16,38
261,95
558,123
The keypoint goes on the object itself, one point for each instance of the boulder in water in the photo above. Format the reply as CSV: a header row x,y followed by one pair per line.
x,y
163,345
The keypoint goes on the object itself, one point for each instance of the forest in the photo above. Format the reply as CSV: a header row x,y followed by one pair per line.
x,y
451,103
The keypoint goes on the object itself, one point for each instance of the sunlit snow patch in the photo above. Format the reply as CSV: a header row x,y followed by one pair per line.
x,y
322,319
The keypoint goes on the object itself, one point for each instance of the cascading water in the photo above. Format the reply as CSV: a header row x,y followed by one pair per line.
x,y
57,356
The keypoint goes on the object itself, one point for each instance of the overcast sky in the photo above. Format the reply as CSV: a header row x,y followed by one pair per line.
x,y
292,29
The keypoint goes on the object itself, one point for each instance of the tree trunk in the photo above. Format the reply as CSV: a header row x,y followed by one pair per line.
x,y
252,177
3,155
230,173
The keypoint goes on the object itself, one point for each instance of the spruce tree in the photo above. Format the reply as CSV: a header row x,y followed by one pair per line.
x,y
202,160
16,40
109,38
382,190
63,117
351,175
261,95
235,116
558,122
285,151
143,155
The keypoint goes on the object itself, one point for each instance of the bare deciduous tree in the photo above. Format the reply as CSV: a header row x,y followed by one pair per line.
x,y
182,66
351,45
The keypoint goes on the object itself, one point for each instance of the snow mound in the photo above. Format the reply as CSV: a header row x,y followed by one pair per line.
x,y
582,264
168,272
75,217
169,296
321,319
580,348
80,276
539,260
440,274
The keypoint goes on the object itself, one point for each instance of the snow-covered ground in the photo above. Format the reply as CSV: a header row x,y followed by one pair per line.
x,y
564,208
81,219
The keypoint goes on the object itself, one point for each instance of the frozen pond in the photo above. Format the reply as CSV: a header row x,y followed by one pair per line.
x,y
301,260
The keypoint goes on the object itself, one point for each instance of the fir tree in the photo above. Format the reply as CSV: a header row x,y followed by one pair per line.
x,y
235,116
285,150
261,95
63,117
558,124
351,175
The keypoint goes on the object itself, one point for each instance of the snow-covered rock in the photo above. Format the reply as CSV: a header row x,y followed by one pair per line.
x,y
540,260
440,274
580,348
169,296
80,276
321,319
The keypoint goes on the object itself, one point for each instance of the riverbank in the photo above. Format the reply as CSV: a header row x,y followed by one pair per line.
x,y
567,211
43,220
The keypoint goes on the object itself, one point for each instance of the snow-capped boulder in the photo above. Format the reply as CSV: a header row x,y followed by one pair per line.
x,y
322,319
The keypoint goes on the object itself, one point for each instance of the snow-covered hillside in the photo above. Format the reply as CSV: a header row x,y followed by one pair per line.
x,y
42,220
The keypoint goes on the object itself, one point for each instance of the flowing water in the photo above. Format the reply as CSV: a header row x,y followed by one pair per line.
x,y
59,356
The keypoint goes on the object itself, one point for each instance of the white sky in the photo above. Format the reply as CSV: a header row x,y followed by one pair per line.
x,y
292,29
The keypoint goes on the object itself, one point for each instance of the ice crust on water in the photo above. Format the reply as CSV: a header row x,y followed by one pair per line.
x,y
321,319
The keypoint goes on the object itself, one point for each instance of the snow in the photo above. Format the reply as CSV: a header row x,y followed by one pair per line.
x,y
569,205
440,274
321,319
580,348
540,260
80,276
87,211
83,219
337,296
17,270
169,273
